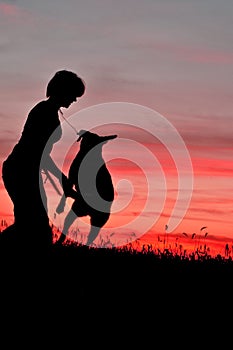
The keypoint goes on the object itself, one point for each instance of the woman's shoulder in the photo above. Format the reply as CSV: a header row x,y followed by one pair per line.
x,y
43,111
40,107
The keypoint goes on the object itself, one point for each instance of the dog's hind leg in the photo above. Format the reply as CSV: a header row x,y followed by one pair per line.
x,y
97,222
69,219
94,231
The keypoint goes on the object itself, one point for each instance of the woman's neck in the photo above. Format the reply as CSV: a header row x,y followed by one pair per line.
x,y
54,102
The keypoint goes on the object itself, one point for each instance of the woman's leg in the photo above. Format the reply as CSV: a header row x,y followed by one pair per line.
x,y
30,207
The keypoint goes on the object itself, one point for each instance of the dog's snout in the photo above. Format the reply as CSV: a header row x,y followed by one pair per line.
x,y
109,137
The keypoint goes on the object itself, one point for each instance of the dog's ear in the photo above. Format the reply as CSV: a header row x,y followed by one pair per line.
x,y
81,134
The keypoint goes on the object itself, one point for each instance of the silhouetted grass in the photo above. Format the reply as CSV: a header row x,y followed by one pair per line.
x,y
115,272
99,287
64,284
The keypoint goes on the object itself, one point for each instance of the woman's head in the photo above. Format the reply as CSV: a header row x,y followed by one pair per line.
x,y
65,86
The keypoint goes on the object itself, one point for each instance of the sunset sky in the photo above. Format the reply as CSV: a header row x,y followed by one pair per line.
x,y
170,61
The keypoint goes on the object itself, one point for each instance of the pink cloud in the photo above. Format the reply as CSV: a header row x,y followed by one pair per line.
x,y
199,55
191,54
212,167
207,56
15,13
9,10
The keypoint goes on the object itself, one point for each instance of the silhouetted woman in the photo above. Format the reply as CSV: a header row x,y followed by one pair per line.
x,y
22,169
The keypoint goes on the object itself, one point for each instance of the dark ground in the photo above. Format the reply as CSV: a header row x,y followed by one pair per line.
x,y
90,273
70,289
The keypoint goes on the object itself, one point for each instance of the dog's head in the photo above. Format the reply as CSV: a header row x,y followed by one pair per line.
x,y
89,139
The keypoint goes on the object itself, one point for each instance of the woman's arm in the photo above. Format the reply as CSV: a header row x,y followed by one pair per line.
x,y
49,165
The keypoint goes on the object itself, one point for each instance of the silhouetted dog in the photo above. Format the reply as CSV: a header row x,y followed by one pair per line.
x,y
93,183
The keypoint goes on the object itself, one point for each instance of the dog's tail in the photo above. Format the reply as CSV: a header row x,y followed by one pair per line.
x,y
61,205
